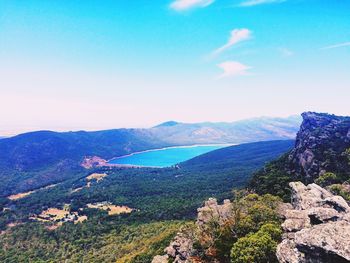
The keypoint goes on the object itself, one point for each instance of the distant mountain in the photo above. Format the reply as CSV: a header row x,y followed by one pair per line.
x,y
250,130
167,124
36,159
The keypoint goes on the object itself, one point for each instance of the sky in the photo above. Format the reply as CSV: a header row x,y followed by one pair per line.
x,y
92,64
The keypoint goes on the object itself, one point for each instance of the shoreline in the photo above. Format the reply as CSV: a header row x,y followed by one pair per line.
x,y
171,147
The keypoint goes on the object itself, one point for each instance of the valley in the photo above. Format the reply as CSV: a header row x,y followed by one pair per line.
x,y
175,131
144,209
124,198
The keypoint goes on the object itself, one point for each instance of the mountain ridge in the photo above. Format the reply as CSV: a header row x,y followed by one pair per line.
x,y
36,159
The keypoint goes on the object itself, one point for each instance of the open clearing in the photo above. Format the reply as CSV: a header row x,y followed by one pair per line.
x,y
22,195
111,209
59,216
96,176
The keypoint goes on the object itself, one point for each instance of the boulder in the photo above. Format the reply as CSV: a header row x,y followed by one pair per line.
x,y
317,230
329,240
295,220
302,197
287,252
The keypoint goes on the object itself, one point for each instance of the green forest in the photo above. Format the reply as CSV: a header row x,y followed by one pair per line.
x,y
162,199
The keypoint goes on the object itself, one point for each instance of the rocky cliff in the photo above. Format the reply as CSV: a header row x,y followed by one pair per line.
x,y
320,146
317,227
322,150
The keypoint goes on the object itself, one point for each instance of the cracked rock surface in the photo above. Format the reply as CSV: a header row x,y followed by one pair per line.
x,y
317,229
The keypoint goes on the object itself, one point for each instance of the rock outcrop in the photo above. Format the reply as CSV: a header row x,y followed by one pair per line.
x,y
212,210
181,248
317,229
320,144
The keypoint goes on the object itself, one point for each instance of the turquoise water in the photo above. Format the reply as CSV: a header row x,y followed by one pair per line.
x,y
165,157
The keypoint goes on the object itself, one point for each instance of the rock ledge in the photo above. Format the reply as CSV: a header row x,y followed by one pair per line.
x,y
317,229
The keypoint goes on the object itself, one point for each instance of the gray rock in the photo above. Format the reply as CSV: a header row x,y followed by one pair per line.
x,y
319,134
318,191
317,230
180,248
323,214
288,253
296,220
282,209
305,197
211,210
338,203
331,238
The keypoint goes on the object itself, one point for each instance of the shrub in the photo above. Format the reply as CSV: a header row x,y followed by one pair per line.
x,y
339,189
327,179
257,248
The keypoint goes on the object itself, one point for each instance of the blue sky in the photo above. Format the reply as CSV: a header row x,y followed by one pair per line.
x,y
69,65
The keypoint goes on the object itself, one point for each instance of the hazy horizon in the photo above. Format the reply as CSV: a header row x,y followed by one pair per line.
x,y
92,65
25,129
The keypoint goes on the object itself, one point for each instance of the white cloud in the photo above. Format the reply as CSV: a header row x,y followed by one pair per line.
x,y
237,35
181,5
285,52
233,68
346,44
260,2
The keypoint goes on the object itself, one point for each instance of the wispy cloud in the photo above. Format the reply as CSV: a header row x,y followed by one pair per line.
x,y
259,2
181,5
232,69
346,44
237,35
285,52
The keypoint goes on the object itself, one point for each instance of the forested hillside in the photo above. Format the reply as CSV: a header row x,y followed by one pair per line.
x,y
155,195
32,160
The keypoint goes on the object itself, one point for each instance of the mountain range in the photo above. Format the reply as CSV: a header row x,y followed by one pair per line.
x,y
36,159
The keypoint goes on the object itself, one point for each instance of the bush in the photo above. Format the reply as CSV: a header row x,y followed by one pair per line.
x,y
254,220
339,189
327,179
259,247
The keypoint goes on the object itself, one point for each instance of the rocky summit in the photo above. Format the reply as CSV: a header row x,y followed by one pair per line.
x,y
320,146
316,227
